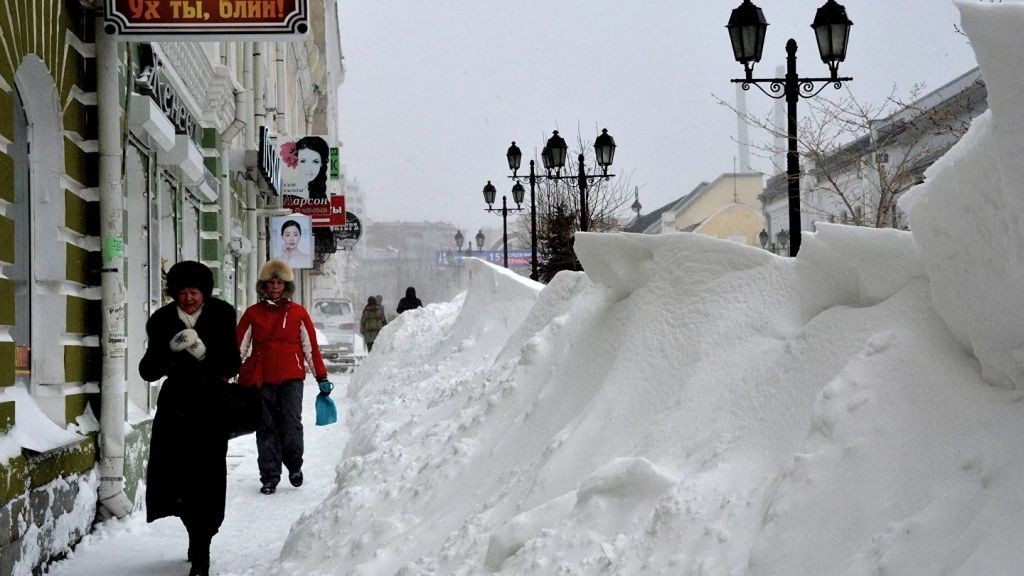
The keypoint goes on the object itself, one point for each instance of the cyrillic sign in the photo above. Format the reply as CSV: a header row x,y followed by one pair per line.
x,y
204,18
346,236
321,211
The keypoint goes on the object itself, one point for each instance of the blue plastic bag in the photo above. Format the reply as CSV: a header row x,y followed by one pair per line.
x,y
326,411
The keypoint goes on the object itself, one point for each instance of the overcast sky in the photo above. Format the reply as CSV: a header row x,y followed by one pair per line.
x,y
435,91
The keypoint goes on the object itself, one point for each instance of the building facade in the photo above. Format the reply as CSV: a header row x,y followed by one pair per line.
x,y
726,208
118,159
874,169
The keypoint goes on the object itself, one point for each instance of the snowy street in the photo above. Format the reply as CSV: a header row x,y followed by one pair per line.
x,y
254,527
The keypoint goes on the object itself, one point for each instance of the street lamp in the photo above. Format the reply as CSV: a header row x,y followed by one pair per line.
x,y
783,238
479,240
517,195
553,158
831,26
459,238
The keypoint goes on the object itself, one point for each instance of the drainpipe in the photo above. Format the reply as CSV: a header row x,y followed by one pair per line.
x,y
113,387
260,111
282,94
223,149
250,184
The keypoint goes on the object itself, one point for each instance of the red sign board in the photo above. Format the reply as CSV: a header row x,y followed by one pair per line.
x,y
185,18
321,212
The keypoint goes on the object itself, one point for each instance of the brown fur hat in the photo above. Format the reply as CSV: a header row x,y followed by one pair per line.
x,y
276,269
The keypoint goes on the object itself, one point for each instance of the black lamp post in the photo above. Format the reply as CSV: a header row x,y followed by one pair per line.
x,y
783,238
479,240
553,158
747,28
517,195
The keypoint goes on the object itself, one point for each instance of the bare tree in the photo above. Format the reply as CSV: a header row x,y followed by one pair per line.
x,y
858,158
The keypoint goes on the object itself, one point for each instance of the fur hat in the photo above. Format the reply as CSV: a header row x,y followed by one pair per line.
x,y
276,269
189,274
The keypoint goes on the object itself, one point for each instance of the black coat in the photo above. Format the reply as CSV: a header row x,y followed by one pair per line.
x,y
187,473
408,303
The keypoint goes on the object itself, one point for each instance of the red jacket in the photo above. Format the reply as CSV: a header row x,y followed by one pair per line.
x,y
284,335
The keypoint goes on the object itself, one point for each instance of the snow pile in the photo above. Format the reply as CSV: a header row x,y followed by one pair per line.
x,y
694,406
969,219
32,430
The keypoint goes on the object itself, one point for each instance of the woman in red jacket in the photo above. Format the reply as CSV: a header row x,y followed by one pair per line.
x,y
280,335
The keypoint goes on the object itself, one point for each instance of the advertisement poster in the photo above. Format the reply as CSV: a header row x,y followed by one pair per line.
x,y
291,240
304,167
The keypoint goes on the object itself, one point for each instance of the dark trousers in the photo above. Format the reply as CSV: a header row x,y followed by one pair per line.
x,y
279,437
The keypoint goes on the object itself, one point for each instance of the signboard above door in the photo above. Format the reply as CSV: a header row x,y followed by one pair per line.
x,y
206,20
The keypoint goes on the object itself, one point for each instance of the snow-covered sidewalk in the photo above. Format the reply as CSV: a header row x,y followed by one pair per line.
x,y
255,525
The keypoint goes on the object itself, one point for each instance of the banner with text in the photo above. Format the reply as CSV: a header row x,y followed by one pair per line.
x,y
198,20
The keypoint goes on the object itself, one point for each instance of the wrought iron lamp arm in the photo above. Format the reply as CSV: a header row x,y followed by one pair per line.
x,y
777,87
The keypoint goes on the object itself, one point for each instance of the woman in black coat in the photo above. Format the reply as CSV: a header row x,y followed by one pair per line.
x,y
192,343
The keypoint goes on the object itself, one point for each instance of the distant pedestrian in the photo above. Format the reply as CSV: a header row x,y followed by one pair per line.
x,y
371,322
280,336
191,342
410,300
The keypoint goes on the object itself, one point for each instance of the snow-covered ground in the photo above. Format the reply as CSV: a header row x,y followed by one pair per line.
x,y
688,406
254,527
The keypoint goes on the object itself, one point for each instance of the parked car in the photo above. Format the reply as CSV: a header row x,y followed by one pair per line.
x,y
335,318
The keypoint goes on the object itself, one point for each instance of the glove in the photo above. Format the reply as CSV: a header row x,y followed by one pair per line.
x,y
326,386
184,339
189,341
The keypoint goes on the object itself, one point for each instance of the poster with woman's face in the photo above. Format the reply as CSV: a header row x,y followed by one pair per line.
x,y
304,165
291,240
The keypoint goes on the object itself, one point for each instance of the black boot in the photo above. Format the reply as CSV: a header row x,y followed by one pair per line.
x,y
295,478
199,555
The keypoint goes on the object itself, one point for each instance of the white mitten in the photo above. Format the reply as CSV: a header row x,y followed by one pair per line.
x,y
198,349
189,341
184,339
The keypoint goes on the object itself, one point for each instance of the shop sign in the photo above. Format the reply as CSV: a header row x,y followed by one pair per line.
x,y
321,211
153,81
335,164
198,20
347,235
269,160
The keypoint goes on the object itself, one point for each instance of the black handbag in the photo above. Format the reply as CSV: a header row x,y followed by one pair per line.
x,y
244,409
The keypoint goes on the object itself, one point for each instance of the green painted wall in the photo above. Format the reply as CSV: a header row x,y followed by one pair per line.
x,y
6,239
77,264
6,177
7,363
209,221
6,416
209,250
7,115
12,480
82,315
82,363
74,459
76,212
82,167
6,302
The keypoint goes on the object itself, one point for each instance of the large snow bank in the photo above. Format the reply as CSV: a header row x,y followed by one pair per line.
x,y
694,406
968,219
